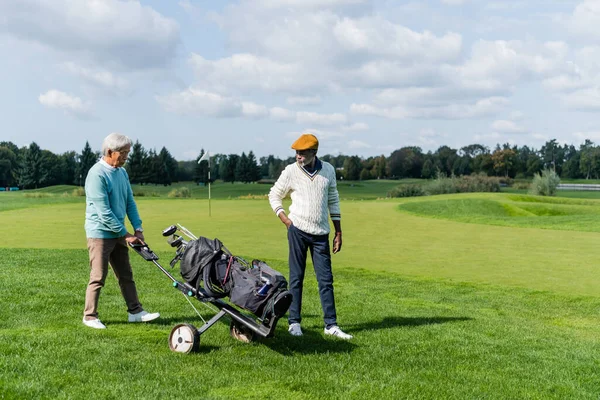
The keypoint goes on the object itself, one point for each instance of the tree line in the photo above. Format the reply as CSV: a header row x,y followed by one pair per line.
x,y
32,167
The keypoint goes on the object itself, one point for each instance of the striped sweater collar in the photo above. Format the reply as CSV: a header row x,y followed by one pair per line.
x,y
312,172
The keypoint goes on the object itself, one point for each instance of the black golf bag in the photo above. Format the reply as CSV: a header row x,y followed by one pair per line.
x,y
254,286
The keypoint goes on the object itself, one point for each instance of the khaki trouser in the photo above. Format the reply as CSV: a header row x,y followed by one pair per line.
x,y
115,251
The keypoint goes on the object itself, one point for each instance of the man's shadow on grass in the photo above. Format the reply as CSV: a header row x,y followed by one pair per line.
x,y
395,322
312,341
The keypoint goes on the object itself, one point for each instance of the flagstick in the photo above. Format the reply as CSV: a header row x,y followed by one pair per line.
x,y
209,186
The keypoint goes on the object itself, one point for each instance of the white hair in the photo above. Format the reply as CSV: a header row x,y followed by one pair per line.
x,y
115,142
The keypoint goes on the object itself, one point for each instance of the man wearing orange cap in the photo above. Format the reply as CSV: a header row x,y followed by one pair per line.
x,y
312,186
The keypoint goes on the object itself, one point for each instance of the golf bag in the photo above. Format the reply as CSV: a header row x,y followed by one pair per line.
x,y
254,287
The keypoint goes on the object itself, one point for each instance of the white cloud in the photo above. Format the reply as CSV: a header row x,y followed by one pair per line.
x,y
506,126
454,2
591,135
60,100
480,108
253,110
357,144
121,33
356,127
304,100
307,3
97,76
281,114
585,99
378,37
201,103
429,137
250,73
304,117
585,20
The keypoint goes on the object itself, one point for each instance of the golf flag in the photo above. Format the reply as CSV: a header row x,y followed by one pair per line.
x,y
205,157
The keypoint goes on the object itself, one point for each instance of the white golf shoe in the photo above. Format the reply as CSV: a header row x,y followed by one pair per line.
x,y
337,332
142,316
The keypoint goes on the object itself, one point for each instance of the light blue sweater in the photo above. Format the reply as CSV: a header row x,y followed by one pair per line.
x,y
108,199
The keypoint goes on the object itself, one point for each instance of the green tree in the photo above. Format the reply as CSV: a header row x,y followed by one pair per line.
x,y
32,167
8,167
406,162
69,163
152,168
429,170
228,167
52,169
253,168
380,167
87,159
503,160
242,169
167,167
201,169
352,168
136,164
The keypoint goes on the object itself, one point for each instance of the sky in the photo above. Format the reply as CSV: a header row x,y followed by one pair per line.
x,y
366,77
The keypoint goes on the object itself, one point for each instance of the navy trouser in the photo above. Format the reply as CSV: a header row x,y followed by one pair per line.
x,y
299,243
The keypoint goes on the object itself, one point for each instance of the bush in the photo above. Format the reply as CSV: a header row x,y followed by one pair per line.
x,y
447,185
38,195
181,192
406,191
521,185
78,192
141,193
463,184
545,184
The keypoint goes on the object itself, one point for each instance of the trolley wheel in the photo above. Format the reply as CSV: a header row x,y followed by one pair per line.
x,y
184,338
241,332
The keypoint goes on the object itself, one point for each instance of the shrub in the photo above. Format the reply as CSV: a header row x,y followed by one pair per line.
x,y
38,195
78,192
407,191
521,185
141,193
181,192
464,184
442,184
545,184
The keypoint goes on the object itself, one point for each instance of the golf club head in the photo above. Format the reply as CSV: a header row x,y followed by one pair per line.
x,y
169,231
175,241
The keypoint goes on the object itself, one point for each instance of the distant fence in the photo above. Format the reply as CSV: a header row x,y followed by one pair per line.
x,y
577,186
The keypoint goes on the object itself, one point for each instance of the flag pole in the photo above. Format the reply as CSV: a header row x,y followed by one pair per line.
x,y
206,156
209,185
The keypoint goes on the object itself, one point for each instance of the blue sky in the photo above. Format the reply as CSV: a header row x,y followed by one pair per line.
x,y
366,77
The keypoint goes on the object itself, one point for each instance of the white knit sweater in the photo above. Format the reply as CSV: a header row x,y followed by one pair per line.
x,y
313,197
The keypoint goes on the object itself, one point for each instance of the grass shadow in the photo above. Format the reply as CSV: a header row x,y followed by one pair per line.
x,y
311,342
394,322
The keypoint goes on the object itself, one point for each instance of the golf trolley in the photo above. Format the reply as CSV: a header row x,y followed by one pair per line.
x,y
216,274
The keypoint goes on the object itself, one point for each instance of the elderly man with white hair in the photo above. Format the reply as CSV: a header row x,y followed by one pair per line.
x,y
109,199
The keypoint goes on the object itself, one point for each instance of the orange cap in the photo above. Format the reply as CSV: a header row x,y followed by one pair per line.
x,y
307,141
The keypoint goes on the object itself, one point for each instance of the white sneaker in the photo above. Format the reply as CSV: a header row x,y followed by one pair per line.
x,y
337,332
295,329
94,323
143,316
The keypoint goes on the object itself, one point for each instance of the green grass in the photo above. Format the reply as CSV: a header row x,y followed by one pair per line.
x,y
414,338
439,308
511,210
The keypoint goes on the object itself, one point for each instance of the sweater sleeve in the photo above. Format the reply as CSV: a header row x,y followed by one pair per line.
x,y
132,211
278,192
334,199
97,195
